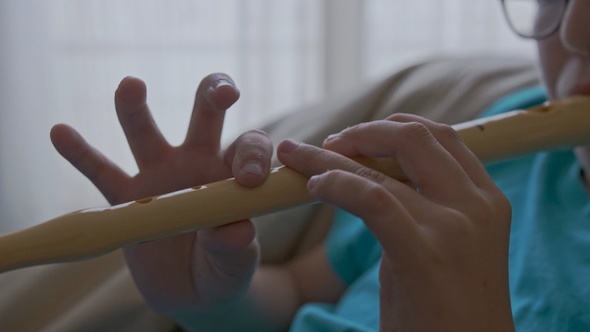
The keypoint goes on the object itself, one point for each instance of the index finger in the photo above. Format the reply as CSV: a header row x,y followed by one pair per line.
x,y
424,160
364,192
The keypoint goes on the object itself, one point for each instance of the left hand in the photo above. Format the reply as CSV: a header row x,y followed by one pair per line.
x,y
195,270
444,234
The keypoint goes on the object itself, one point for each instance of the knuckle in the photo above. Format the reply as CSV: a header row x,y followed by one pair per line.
x,y
370,174
447,132
315,156
376,192
356,129
501,204
254,136
416,131
398,117
256,140
372,188
325,183
332,176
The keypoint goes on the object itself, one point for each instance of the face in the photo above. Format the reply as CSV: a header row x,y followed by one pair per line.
x,y
564,60
564,57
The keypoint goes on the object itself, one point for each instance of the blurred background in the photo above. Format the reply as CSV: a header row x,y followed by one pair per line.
x,y
61,61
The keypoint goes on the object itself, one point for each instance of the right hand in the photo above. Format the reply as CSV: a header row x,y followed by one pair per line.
x,y
444,232
198,270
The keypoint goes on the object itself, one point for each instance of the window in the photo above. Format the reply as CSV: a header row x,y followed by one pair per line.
x,y
61,61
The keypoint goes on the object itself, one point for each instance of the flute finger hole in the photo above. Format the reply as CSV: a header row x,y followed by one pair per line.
x,y
144,200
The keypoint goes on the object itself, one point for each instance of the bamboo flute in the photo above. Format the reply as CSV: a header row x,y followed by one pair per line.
x,y
96,231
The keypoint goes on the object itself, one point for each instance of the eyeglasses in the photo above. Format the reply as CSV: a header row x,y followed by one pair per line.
x,y
535,19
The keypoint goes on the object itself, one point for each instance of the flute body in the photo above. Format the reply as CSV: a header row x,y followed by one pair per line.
x,y
92,232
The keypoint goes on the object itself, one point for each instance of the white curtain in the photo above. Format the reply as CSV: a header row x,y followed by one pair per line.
x,y
61,60
399,32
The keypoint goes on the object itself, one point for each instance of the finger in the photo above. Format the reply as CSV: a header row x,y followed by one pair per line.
x,y
227,238
103,173
145,139
231,248
379,207
310,160
426,163
216,93
249,157
453,143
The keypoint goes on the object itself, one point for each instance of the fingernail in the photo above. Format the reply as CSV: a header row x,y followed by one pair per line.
x,y
222,94
331,138
221,83
287,146
252,168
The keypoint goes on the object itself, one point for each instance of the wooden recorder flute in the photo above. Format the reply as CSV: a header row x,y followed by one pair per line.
x,y
92,232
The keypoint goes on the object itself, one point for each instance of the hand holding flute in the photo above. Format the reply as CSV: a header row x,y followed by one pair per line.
x,y
164,169
435,162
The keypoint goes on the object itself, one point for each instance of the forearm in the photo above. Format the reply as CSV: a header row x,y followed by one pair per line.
x,y
268,305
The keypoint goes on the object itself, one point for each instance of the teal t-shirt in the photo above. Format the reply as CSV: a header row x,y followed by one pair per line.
x,y
549,247
550,234
354,254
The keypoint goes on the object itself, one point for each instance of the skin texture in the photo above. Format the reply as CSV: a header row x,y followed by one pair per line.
x,y
444,232
564,61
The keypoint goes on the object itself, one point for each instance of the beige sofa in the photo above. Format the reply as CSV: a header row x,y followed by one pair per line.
x,y
99,295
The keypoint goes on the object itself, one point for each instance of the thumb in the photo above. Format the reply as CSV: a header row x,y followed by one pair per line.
x,y
231,249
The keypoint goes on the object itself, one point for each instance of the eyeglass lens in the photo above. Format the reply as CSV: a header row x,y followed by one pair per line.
x,y
534,18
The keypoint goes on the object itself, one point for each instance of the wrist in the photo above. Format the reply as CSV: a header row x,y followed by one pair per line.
x,y
444,308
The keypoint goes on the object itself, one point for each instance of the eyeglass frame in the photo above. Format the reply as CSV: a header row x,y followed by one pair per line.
x,y
548,32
